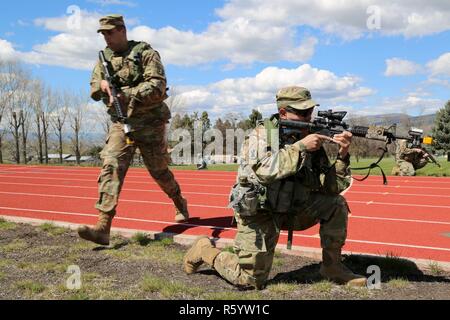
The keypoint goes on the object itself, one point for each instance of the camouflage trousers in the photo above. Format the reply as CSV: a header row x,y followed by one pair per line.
x,y
258,235
403,168
117,156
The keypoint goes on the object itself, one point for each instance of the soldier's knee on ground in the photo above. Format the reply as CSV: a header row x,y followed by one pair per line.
x,y
231,267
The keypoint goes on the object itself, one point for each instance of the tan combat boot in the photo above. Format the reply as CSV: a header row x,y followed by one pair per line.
x,y
100,233
201,251
333,269
181,214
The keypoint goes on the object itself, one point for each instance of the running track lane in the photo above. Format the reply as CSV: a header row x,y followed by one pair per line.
x,y
410,217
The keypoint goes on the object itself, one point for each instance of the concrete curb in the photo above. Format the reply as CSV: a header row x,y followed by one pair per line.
x,y
187,240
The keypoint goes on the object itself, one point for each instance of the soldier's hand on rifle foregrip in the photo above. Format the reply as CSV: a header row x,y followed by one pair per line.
x,y
313,142
344,140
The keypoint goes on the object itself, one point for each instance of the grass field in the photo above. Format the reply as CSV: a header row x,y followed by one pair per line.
x,y
35,263
386,164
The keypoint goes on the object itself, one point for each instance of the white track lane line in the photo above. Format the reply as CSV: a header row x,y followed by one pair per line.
x,y
217,194
150,181
202,206
207,206
96,188
128,176
223,228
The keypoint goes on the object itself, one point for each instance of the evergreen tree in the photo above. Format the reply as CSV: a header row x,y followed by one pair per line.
x,y
254,117
441,130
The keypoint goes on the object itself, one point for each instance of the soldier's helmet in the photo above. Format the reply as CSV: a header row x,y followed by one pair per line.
x,y
111,21
295,97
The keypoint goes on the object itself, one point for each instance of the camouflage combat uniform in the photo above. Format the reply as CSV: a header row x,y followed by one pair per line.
x,y
298,183
408,160
139,73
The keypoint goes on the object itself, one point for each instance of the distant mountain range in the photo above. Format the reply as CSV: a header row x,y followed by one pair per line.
x,y
425,122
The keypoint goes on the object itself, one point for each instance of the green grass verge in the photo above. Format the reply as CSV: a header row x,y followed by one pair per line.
x,y
6,225
388,163
168,289
52,229
30,287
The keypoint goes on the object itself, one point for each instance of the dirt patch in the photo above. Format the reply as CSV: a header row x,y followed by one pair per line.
x,y
38,262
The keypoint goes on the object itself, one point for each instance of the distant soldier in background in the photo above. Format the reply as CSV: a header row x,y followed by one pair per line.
x,y
408,159
138,73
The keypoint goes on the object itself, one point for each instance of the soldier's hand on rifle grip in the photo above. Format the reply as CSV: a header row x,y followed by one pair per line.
x,y
104,86
313,142
344,140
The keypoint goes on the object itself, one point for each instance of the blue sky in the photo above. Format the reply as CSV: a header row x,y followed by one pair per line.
x,y
232,56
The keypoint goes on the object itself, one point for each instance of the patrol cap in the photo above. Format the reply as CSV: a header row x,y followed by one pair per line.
x,y
295,97
110,22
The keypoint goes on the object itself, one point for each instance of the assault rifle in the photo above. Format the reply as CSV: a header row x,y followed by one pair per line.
x,y
329,123
116,103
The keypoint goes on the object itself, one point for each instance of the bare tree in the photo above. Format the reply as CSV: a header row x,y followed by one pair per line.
x,y
36,106
58,119
12,77
104,118
176,102
19,112
76,113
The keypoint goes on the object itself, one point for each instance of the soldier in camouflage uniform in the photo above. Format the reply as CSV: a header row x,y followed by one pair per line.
x,y
139,73
301,190
408,159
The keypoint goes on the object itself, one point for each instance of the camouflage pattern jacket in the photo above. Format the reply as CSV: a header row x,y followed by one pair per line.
x,y
139,75
288,175
403,153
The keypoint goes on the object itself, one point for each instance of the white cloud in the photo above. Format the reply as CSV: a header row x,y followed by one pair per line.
x,y
440,66
412,104
238,41
400,67
248,31
243,94
7,51
347,18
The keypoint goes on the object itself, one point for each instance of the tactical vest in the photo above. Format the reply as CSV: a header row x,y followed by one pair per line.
x,y
127,72
248,196
127,69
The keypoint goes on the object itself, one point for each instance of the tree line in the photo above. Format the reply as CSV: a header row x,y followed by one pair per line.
x,y
36,120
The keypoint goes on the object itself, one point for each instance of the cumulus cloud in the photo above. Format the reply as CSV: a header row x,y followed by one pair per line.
x,y
244,94
440,66
7,51
248,31
348,19
400,67
412,104
237,40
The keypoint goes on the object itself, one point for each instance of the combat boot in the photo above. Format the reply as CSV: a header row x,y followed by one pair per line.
x,y
100,233
181,213
333,269
201,251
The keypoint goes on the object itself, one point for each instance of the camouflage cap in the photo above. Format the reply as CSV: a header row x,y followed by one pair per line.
x,y
110,22
295,97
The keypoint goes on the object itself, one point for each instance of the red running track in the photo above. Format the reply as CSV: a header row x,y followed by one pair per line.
x,y
410,217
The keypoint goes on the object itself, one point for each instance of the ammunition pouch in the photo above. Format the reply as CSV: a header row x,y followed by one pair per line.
x,y
247,198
